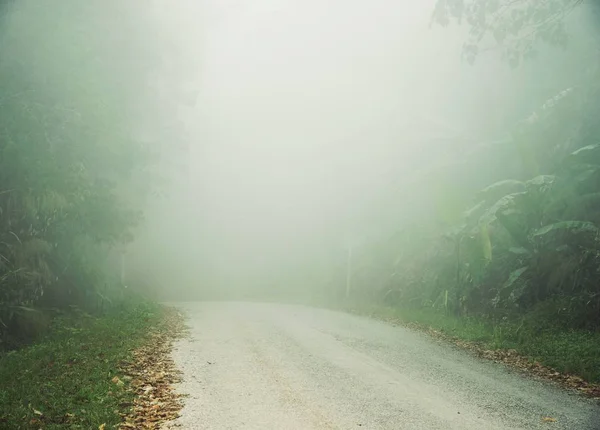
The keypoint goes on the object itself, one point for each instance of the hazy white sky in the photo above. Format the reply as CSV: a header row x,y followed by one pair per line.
x,y
309,114
305,105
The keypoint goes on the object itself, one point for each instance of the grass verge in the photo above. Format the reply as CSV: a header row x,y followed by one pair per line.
x,y
568,356
67,379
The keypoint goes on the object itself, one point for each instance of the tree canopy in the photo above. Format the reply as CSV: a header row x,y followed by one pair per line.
x,y
514,27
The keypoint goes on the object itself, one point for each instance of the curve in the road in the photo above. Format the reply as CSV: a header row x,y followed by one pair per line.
x,y
270,366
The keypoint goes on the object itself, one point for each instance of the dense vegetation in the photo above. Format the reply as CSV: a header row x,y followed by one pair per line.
x,y
510,231
72,178
525,240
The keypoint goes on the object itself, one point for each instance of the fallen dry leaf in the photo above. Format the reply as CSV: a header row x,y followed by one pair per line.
x,y
514,360
151,375
116,380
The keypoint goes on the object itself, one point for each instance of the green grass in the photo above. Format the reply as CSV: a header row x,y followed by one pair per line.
x,y
573,352
64,380
567,351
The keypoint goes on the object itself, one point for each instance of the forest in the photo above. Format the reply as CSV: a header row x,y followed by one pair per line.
x,y
498,229
72,177
505,227
521,233
506,231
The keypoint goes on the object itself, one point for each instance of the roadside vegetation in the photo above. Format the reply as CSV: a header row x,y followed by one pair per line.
x,y
74,181
504,248
67,378
91,372
567,357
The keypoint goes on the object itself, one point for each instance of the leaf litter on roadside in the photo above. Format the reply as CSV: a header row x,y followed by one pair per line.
x,y
151,374
513,359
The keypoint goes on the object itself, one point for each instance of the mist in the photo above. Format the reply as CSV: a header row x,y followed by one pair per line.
x,y
285,136
299,214
311,123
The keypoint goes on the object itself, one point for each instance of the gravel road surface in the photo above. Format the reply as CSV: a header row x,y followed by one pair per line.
x,y
271,366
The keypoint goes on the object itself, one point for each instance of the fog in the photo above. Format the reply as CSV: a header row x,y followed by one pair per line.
x,y
176,177
290,132
310,121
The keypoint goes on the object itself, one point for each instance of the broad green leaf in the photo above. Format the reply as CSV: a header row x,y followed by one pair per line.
x,y
571,227
519,250
589,154
500,189
514,276
541,181
504,203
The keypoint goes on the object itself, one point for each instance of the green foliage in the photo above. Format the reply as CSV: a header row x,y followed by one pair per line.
x,y
67,160
504,247
515,27
525,240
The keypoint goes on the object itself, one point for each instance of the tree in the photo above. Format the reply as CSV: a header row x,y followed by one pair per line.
x,y
515,27
528,235
67,156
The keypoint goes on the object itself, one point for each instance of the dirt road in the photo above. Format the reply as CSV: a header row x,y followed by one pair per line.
x,y
269,366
